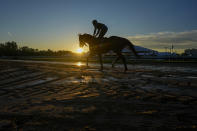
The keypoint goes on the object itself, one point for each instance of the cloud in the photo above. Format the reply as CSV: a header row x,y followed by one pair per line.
x,y
10,34
180,40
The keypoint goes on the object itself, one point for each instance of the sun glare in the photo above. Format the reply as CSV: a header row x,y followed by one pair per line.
x,y
79,64
79,50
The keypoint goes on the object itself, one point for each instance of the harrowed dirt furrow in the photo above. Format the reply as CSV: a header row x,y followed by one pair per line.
x,y
33,82
20,78
11,73
38,87
8,69
23,80
65,97
54,68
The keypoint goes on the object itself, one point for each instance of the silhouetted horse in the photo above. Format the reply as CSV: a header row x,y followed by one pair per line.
x,y
113,43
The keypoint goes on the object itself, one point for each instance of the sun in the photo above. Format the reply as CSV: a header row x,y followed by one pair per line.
x,y
79,50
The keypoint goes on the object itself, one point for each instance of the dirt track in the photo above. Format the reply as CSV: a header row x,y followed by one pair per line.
x,y
44,96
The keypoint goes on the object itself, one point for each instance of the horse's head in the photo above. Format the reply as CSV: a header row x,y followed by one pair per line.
x,y
84,39
82,42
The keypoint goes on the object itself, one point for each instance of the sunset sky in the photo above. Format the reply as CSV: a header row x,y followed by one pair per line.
x,y
55,24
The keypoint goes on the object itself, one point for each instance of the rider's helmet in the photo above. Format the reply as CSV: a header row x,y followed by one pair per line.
x,y
94,22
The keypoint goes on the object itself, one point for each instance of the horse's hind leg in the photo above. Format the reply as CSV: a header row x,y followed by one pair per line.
x,y
113,63
123,60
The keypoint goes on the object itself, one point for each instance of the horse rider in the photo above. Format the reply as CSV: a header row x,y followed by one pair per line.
x,y
99,29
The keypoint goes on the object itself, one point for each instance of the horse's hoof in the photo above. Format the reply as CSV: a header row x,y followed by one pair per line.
x,y
125,71
100,69
139,57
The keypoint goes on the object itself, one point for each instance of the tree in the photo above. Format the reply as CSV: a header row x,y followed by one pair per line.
x,y
10,48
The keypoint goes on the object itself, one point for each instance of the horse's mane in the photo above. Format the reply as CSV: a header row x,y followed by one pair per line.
x,y
91,36
87,35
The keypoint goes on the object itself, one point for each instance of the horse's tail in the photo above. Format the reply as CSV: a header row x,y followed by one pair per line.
x,y
132,48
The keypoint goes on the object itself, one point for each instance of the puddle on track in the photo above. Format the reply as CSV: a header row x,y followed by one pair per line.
x,y
85,79
130,66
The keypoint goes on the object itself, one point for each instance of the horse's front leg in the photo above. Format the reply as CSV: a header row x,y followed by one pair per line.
x,y
113,63
101,62
123,60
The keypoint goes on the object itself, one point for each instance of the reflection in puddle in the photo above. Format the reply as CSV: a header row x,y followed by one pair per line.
x,y
79,63
86,79
130,66
192,77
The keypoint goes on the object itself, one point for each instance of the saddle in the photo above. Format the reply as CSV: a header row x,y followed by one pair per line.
x,y
101,40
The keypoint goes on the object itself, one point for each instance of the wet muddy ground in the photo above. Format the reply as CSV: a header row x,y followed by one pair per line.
x,y
54,96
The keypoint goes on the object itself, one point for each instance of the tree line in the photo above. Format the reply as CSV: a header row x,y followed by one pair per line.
x,y
12,49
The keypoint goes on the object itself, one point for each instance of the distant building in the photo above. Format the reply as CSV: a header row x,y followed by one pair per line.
x,y
147,53
191,52
141,51
166,54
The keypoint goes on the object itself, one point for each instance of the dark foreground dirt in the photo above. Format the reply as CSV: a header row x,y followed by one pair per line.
x,y
45,96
